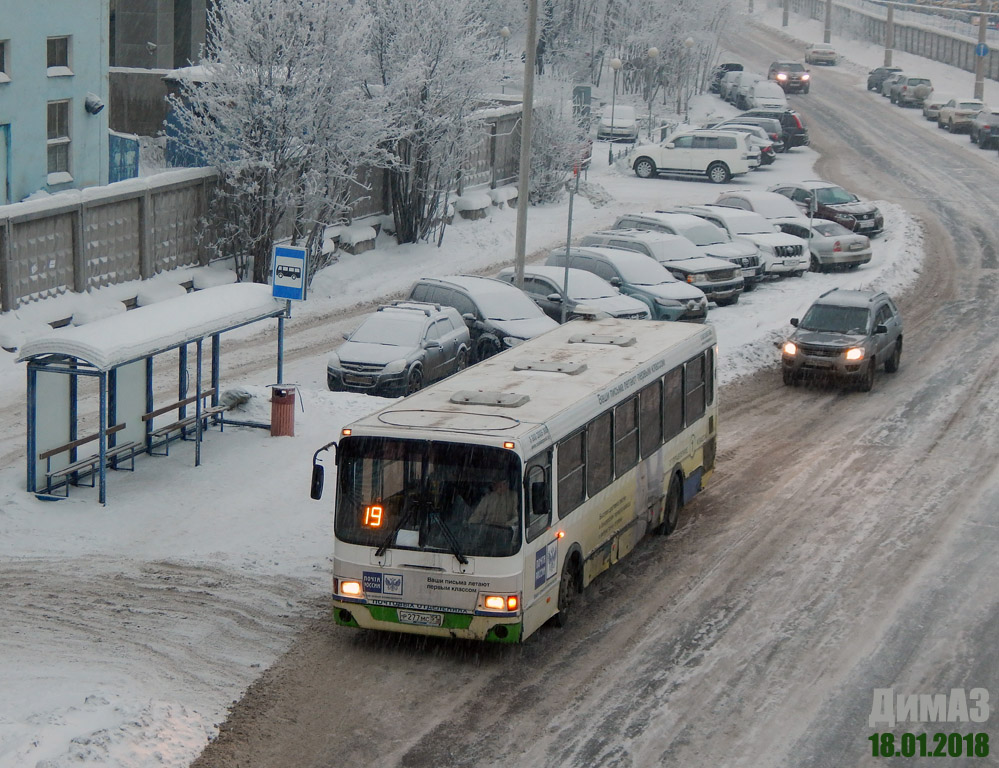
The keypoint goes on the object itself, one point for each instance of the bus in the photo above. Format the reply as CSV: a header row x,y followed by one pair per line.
x,y
481,506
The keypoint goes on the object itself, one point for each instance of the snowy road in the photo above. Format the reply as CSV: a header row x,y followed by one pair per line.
x,y
849,542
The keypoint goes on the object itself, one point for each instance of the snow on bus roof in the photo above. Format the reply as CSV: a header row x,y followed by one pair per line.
x,y
142,332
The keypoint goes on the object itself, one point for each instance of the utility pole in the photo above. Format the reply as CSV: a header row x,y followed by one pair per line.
x,y
889,34
979,58
787,10
827,31
524,178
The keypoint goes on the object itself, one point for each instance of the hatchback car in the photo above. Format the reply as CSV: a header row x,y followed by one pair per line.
x,y
720,71
588,294
877,76
844,336
639,276
795,132
720,280
498,315
829,201
719,155
956,114
820,53
765,94
400,348
617,123
983,128
709,239
831,246
888,82
932,104
792,76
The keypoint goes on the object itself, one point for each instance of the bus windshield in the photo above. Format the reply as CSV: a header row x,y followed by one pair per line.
x,y
430,496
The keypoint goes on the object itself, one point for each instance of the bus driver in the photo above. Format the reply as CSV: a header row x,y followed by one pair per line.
x,y
498,506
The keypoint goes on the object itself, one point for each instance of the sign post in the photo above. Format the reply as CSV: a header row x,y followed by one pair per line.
x,y
288,273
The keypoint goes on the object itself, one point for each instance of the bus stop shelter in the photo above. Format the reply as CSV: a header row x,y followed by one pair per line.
x,y
119,352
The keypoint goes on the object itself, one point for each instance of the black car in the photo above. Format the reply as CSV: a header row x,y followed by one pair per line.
x,y
795,132
877,76
498,315
771,125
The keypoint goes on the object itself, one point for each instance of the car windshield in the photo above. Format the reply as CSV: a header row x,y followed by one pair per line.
x,y
970,105
506,305
829,318
432,496
585,285
834,196
393,329
830,229
703,234
918,81
643,271
790,68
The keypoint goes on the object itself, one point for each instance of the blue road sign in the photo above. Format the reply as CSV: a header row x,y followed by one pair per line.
x,y
288,273
981,49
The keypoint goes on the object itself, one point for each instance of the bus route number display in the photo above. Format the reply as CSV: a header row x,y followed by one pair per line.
x,y
373,516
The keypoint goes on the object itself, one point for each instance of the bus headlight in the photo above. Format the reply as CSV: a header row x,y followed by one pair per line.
x,y
508,603
790,348
348,588
855,354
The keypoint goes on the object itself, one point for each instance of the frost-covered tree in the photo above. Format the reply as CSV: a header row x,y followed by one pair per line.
x,y
558,141
279,109
431,59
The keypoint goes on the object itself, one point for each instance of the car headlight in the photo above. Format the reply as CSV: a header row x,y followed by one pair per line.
x,y
790,348
805,77
396,366
782,76
333,364
512,341
855,354
844,217
698,278
668,302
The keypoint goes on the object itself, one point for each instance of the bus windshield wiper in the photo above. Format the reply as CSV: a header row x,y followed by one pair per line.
x,y
451,538
398,527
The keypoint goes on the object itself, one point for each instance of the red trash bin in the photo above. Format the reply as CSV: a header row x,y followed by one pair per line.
x,y
282,410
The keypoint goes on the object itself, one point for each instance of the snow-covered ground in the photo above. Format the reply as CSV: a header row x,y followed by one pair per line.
x,y
127,630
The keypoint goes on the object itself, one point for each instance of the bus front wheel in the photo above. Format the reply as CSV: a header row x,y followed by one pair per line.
x,y
568,588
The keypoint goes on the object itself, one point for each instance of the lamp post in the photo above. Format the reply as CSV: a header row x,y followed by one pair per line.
x,y
687,45
616,66
505,34
653,55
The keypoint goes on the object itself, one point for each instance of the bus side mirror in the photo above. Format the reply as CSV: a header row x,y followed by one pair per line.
x,y
317,481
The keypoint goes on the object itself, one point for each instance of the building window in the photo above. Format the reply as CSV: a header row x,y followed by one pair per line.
x,y
4,53
58,136
57,57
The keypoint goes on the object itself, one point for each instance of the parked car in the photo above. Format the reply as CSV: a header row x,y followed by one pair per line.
x,y
983,128
770,205
639,276
932,104
782,254
399,349
877,76
820,53
888,82
617,123
757,138
770,125
795,132
956,114
834,203
910,90
739,95
792,76
727,83
720,71
719,155
845,336
711,240
498,315
831,246
765,94
588,294
720,280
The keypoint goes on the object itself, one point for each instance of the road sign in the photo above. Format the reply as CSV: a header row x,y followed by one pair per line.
x,y
981,49
288,273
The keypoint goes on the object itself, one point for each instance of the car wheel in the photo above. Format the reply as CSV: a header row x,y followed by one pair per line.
x,y
671,510
985,144
867,382
415,381
568,588
487,347
814,265
950,126
805,90
798,273
971,137
718,173
461,361
892,99
891,364
789,378
940,125
645,168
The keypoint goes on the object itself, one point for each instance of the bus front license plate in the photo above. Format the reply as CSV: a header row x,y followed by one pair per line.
x,y
421,619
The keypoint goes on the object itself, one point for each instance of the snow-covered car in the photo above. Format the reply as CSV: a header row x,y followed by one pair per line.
x,y
498,315
983,128
588,294
830,201
956,114
888,82
766,94
400,348
720,280
739,94
831,246
782,254
932,104
820,53
757,138
770,205
878,75
617,123
639,276
727,83
719,155
845,336
720,71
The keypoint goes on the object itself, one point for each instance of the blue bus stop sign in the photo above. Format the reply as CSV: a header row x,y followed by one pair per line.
x,y
981,49
288,273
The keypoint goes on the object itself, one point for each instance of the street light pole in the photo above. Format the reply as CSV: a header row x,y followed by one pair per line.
x,y
505,34
653,55
615,64
526,125
687,45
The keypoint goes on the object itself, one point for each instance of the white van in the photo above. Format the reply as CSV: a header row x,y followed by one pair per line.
x,y
766,94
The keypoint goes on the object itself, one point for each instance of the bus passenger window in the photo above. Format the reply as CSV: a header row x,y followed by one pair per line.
x,y
599,470
694,389
674,403
650,425
571,490
625,436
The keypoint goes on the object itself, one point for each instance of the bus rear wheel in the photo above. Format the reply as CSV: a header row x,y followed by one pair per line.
x,y
568,588
671,510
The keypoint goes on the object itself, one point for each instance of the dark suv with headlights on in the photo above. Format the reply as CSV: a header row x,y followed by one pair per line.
x,y
398,349
790,75
828,201
844,336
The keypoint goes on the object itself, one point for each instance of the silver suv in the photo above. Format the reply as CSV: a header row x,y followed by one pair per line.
x,y
845,336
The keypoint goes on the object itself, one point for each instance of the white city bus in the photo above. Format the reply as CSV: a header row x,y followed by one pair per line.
x,y
587,437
